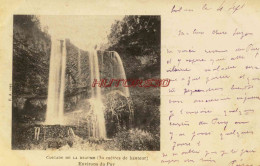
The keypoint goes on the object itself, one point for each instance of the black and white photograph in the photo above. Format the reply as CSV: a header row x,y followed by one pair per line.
x,y
86,82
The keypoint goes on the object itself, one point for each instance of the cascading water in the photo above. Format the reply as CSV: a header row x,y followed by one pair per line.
x,y
56,87
96,100
118,64
120,74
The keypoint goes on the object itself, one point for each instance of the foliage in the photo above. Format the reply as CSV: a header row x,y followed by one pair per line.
x,y
27,21
117,112
137,40
31,59
135,139
31,49
146,104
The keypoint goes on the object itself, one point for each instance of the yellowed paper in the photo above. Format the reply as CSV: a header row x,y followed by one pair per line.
x,y
208,115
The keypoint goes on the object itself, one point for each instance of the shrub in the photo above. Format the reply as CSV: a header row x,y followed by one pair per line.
x,y
135,139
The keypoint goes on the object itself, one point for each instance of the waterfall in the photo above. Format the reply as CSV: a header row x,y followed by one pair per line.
x,y
118,64
96,100
120,69
56,87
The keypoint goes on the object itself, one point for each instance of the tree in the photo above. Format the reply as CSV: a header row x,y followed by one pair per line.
x,y
137,40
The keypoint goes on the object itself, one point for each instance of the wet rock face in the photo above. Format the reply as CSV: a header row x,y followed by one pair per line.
x,y
117,112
